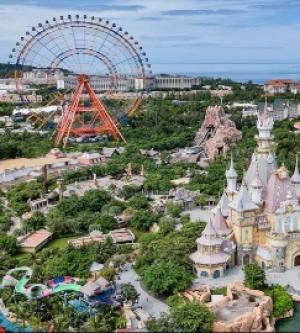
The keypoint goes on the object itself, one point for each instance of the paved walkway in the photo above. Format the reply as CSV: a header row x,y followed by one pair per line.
x,y
198,214
150,304
290,277
232,275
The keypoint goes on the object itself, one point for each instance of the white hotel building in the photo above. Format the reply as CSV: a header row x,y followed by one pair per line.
x,y
125,84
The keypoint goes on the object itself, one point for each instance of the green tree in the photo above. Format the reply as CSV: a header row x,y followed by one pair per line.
x,y
109,273
35,222
166,225
254,276
283,301
70,206
162,324
143,220
202,200
129,191
129,293
94,200
104,321
107,223
173,209
8,244
192,316
138,202
166,277
19,195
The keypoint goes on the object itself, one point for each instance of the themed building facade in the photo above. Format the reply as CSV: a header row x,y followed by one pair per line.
x,y
261,216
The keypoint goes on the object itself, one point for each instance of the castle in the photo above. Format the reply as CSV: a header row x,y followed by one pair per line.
x,y
259,221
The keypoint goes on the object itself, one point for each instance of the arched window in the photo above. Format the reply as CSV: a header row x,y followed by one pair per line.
x,y
204,274
216,274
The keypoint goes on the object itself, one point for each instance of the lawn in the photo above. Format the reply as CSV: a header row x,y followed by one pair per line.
x,y
60,243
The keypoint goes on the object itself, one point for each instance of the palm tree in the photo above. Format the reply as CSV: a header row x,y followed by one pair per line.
x,y
61,323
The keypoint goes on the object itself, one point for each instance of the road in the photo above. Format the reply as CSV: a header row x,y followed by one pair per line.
x,y
150,304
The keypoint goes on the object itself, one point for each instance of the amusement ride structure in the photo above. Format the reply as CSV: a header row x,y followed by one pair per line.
x,y
86,49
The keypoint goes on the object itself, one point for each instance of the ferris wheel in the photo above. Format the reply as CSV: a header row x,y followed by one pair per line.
x,y
95,50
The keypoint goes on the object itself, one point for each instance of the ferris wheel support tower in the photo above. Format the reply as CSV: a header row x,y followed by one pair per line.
x,y
96,108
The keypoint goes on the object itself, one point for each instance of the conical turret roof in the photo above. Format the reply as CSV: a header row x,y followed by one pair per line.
x,y
243,201
219,223
209,236
224,204
295,179
231,173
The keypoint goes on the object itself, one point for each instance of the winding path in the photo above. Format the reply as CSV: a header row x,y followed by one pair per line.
x,y
150,304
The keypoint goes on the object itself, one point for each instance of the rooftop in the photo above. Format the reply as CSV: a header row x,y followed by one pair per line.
x,y
19,163
122,236
35,239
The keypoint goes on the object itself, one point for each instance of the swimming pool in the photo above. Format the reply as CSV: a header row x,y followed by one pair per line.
x,y
12,327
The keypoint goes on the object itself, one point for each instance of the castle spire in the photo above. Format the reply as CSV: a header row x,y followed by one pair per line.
x,y
264,138
231,176
295,179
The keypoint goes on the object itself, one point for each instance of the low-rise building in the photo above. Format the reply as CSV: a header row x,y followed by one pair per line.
x,y
90,159
34,241
122,236
94,237
279,86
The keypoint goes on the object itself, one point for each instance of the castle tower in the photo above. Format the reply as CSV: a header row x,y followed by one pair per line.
x,y
231,177
264,138
256,188
243,222
209,259
296,179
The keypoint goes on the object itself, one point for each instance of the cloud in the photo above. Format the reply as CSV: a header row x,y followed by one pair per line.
x,y
243,25
206,24
191,12
169,38
254,47
113,7
277,5
149,18
71,4
193,45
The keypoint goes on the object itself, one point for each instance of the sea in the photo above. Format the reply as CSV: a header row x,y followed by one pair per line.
x,y
290,324
240,72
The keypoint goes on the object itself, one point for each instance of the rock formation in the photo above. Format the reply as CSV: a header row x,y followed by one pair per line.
x,y
243,310
217,133
201,294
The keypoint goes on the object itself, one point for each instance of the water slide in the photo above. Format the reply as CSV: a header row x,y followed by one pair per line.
x,y
66,287
34,291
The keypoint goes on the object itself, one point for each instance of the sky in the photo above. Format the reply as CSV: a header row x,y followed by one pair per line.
x,y
249,37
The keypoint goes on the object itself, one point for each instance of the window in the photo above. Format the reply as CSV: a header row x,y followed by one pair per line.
x,y
204,274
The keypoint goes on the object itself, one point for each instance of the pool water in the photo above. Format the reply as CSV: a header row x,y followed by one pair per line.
x,y
290,324
11,327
